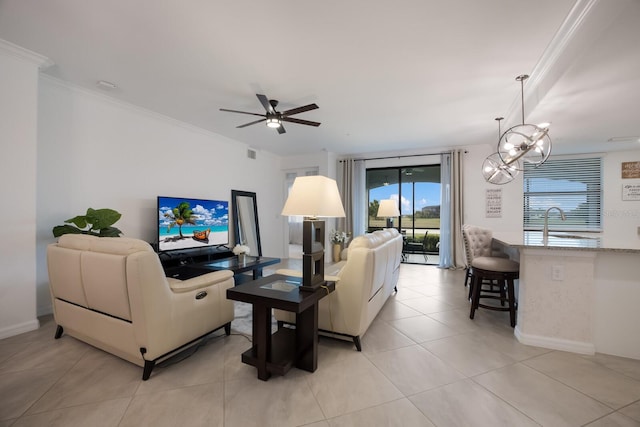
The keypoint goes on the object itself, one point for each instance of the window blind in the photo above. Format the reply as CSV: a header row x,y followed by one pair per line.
x,y
573,185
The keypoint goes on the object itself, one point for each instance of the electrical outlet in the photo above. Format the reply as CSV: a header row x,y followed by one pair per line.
x,y
557,272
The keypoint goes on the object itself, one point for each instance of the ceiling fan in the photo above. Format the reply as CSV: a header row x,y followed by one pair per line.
x,y
275,118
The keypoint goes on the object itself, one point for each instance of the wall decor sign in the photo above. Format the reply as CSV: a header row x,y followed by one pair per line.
x,y
494,203
630,191
630,170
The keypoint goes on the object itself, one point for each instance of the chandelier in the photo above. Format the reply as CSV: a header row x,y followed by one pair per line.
x,y
520,144
497,171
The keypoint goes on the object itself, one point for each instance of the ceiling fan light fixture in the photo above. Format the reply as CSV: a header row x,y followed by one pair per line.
x,y
274,122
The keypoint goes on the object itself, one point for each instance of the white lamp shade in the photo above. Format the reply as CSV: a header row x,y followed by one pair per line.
x,y
388,209
314,196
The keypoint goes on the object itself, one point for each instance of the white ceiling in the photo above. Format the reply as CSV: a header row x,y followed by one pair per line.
x,y
405,75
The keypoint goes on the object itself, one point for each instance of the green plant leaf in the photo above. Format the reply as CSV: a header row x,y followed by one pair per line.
x,y
59,230
102,218
80,221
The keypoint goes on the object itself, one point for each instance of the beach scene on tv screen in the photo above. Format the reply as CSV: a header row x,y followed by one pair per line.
x,y
192,223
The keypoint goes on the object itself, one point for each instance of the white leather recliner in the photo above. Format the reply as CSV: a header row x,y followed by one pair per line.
x,y
111,292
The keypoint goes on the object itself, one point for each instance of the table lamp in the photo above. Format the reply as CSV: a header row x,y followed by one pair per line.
x,y
313,197
388,209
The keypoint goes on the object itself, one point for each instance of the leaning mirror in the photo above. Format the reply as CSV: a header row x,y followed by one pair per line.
x,y
245,219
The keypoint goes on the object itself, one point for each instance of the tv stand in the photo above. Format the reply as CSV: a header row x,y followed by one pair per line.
x,y
186,264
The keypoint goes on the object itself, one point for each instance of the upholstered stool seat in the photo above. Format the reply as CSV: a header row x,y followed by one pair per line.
x,y
502,271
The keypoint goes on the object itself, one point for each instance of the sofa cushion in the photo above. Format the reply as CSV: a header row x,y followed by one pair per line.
x,y
111,245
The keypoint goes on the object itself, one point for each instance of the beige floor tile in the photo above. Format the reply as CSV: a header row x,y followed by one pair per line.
x,y
46,354
467,355
465,403
615,420
503,340
279,402
404,294
98,376
234,346
336,350
101,414
9,350
623,365
601,383
9,423
421,329
341,388
426,305
394,310
381,337
414,369
199,364
195,406
457,319
632,411
399,413
545,400
19,390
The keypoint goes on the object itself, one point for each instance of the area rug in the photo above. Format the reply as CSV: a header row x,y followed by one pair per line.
x,y
242,322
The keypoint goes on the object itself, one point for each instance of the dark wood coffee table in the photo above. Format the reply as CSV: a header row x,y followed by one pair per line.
x,y
251,263
277,353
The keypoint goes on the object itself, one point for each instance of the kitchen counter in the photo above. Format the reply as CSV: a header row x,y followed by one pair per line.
x,y
568,241
577,291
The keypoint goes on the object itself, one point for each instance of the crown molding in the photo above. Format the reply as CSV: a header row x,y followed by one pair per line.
x,y
582,26
15,51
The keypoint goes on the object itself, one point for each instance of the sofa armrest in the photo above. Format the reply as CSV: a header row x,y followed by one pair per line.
x,y
208,279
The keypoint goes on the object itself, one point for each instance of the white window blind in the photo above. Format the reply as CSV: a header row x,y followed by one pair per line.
x,y
574,185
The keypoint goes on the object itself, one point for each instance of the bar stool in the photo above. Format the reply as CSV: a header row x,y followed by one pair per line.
x,y
502,271
478,243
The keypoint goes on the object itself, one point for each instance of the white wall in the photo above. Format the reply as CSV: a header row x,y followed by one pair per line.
x,y
96,152
620,218
475,188
18,138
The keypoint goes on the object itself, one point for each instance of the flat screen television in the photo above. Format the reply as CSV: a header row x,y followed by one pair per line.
x,y
191,223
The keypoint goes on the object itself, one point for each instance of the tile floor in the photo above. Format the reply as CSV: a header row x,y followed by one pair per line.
x,y
424,363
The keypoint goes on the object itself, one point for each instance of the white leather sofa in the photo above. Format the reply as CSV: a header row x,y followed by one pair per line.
x,y
366,278
111,292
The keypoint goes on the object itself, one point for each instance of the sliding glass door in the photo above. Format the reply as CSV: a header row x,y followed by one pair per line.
x,y
416,190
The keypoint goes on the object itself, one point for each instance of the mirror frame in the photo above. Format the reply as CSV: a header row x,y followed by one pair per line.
x,y
235,194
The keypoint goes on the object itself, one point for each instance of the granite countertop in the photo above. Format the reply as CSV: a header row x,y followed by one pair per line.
x,y
568,241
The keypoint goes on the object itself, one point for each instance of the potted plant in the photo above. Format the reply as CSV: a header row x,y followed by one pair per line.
x,y
96,222
338,238
241,251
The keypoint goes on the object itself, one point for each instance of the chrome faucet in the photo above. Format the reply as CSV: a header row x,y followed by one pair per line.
x,y
545,231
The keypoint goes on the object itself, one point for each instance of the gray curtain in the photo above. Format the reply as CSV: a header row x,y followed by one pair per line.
x,y
451,208
351,182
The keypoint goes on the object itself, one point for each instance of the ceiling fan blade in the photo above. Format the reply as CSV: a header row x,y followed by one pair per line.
x,y
281,129
300,122
242,112
299,110
265,103
252,123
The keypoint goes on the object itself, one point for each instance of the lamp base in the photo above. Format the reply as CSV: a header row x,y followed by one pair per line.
x,y
389,222
313,255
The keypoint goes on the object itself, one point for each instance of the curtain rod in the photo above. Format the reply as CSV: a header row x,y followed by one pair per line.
x,y
400,157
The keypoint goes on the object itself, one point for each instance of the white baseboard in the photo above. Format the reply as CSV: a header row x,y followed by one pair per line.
x,y
555,343
21,328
